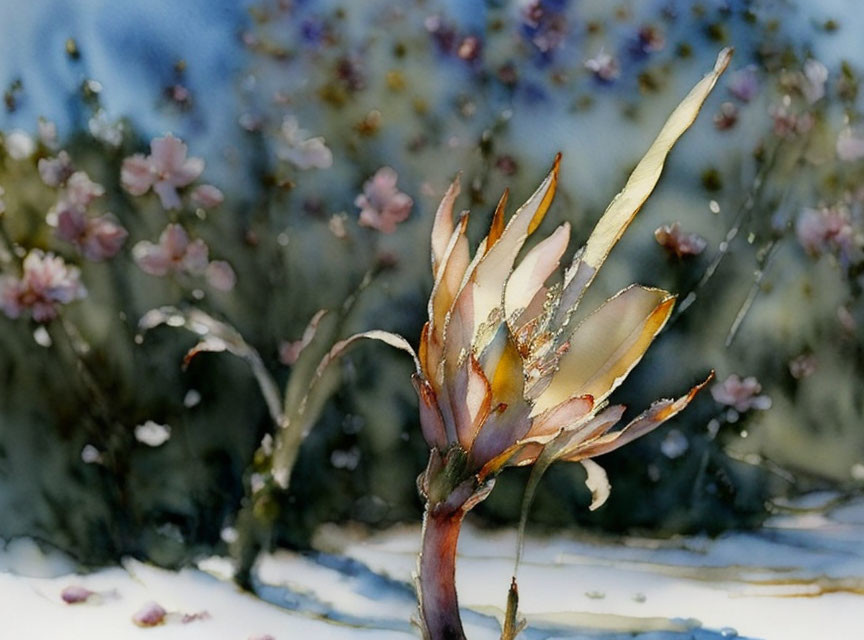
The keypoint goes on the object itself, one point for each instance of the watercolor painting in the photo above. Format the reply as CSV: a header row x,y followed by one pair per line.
x,y
438,319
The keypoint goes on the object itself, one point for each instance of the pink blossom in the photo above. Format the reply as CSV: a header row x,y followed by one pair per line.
x,y
850,145
220,275
382,205
172,254
828,229
604,67
671,238
75,594
47,282
744,83
55,171
164,170
727,117
788,124
207,196
81,190
96,238
742,395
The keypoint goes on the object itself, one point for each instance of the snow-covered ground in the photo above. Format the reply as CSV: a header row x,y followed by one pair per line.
x,y
800,577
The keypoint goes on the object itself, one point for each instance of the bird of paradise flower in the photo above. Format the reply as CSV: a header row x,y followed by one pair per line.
x,y
503,377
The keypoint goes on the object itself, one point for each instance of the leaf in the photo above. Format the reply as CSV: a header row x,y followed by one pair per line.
x,y
217,336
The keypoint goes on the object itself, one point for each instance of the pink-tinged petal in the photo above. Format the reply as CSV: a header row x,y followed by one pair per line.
x,y
81,190
137,175
104,238
207,196
168,196
640,184
150,615
607,345
71,225
174,240
470,398
55,171
505,426
431,422
75,594
533,271
221,276
442,226
167,154
645,423
151,258
196,259
188,172
562,416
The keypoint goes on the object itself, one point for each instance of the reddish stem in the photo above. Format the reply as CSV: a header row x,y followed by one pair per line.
x,y
439,606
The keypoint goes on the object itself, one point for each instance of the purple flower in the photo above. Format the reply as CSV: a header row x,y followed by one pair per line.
x,y
164,170
46,283
382,205
671,238
172,254
741,395
744,83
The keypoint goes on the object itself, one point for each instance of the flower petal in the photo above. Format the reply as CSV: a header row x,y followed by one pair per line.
x,y
470,398
598,482
561,416
533,271
640,184
442,227
607,345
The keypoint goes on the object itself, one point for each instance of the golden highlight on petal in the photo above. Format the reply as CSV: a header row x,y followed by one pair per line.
x,y
608,344
497,226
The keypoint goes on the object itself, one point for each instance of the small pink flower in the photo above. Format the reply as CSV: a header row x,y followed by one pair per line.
x,y
55,171
382,205
788,124
164,170
850,145
46,283
742,395
81,190
173,253
744,83
727,117
207,196
671,238
300,149
150,615
220,275
75,594
803,366
604,67
828,229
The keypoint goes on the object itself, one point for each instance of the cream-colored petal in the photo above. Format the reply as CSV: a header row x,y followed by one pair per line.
x,y
533,271
607,345
442,227
641,183
598,483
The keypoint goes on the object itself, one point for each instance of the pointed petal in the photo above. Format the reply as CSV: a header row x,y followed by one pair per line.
x,y
641,183
497,226
647,421
431,422
598,482
494,268
470,397
533,271
562,416
608,344
442,227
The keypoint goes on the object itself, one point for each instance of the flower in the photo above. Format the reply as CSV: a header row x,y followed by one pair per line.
x,y
96,238
604,67
726,117
220,275
207,196
295,146
850,145
150,615
173,253
55,171
813,82
382,205
46,283
164,170
828,229
19,144
503,376
741,395
744,83
671,238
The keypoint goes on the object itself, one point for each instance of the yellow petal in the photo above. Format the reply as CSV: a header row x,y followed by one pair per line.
x,y
533,271
607,345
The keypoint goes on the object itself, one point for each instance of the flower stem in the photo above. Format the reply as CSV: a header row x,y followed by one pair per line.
x,y
439,607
